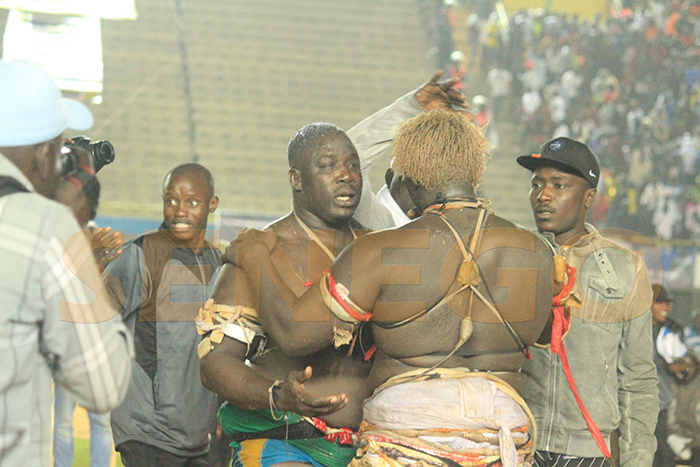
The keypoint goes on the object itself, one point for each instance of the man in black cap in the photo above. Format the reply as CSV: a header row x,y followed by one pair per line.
x,y
608,339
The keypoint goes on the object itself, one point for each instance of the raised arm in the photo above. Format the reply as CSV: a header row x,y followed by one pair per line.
x,y
374,135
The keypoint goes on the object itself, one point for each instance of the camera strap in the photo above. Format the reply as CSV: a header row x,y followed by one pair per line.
x,y
9,185
81,175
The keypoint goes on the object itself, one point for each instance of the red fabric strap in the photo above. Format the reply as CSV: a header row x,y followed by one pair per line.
x,y
346,307
370,352
342,435
559,328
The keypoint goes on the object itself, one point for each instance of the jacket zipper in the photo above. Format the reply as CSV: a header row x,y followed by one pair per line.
x,y
201,279
554,365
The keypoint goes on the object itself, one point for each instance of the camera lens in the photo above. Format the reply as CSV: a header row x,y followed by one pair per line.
x,y
102,153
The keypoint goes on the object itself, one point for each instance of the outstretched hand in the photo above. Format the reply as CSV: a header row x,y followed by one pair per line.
x,y
292,396
106,245
440,95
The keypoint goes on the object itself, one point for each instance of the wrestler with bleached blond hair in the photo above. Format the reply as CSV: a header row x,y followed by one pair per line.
x,y
453,299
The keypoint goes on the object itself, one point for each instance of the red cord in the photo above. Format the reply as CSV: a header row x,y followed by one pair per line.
x,y
560,326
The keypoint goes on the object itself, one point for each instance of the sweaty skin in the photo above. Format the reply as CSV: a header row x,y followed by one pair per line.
x,y
326,192
327,188
397,273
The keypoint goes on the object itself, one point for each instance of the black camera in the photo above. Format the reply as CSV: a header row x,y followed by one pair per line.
x,y
101,153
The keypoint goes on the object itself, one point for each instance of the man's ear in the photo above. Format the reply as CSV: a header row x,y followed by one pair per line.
x,y
589,197
295,179
213,203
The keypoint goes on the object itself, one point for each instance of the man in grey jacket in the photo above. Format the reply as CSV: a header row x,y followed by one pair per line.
x,y
159,282
608,343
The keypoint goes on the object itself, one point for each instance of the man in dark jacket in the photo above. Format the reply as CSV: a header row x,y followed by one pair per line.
x,y
159,283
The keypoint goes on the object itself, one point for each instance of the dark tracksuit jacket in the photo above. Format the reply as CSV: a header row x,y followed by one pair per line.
x,y
159,287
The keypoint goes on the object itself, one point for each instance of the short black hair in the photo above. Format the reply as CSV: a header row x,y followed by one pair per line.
x,y
189,168
307,138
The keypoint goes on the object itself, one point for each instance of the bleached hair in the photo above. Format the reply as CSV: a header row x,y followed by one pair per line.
x,y
440,146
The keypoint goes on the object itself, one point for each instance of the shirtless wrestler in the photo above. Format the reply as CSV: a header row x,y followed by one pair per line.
x,y
459,287
323,176
326,184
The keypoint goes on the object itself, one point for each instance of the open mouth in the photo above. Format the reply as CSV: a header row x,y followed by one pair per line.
x,y
345,199
181,226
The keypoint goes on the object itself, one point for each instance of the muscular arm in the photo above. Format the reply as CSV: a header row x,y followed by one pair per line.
x,y
299,323
637,396
308,316
258,259
224,371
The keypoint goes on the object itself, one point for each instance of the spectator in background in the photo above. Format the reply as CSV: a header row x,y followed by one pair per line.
x,y
692,332
473,25
631,88
444,44
684,412
457,70
684,423
669,358
57,323
500,81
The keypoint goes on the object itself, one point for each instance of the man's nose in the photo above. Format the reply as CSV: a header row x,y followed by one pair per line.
x,y
345,174
180,209
545,194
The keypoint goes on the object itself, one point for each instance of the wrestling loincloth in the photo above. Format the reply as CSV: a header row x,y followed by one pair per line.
x,y
446,417
326,446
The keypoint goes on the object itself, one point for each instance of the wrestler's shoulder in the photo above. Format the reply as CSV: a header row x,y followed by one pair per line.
x,y
269,236
506,227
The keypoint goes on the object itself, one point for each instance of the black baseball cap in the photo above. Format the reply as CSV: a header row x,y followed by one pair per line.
x,y
568,153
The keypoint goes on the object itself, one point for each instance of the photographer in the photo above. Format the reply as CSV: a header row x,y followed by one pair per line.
x,y
57,323
79,189
83,199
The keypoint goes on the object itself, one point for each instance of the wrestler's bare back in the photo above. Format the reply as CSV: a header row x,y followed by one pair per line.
x,y
515,272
